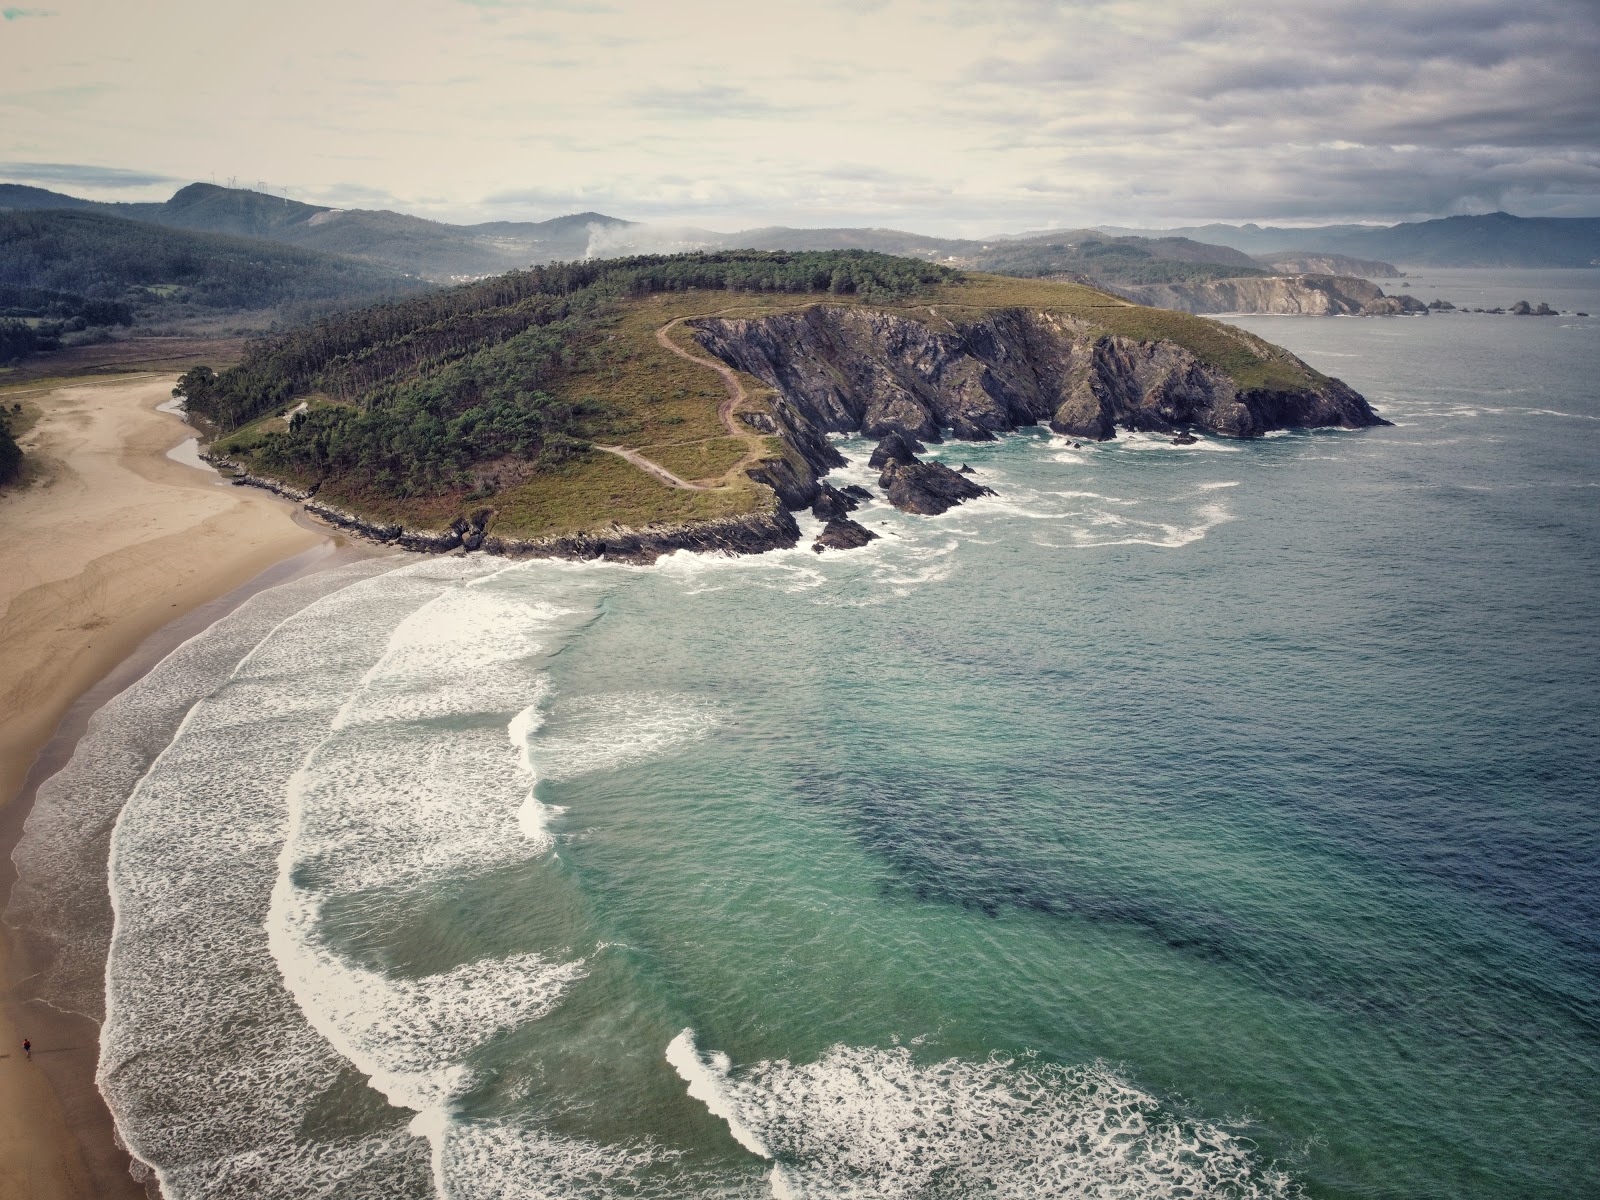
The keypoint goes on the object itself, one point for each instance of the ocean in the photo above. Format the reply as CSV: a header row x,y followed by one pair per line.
x,y
1214,820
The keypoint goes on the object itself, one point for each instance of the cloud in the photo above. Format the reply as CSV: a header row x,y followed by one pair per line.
x,y
710,101
82,175
956,116
14,14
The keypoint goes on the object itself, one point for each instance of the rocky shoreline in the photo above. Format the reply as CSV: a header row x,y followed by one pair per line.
x,y
877,374
751,533
839,369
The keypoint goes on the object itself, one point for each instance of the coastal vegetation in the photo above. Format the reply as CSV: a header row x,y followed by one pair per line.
x,y
10,452
518,396
1115,261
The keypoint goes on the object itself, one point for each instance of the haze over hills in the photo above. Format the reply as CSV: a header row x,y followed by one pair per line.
x,y
443,252
70,274
412,245
1495,239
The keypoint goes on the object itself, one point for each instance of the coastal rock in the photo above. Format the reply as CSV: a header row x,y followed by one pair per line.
x,y
895,448
832,504
753,533
794,480
1000,371
1310,295
1313,263
927,488
1185,439
856,492
1394,306
842,533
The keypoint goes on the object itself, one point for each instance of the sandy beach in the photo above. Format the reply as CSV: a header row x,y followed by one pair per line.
x,y
112,545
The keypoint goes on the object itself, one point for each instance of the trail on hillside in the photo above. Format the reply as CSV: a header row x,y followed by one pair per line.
x,y
656,469
754,444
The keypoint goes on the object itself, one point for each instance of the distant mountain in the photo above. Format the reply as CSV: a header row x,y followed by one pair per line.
x,y
1082,253
89,254
21,196
1491,240
411,245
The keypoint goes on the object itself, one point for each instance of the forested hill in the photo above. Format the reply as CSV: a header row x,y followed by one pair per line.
x,y
101,257
1495,239
415,393
401,242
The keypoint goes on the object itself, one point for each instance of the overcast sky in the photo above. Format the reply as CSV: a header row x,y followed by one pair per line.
x,y
943,117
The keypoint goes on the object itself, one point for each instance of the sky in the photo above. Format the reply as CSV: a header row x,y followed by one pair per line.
x,y
941,116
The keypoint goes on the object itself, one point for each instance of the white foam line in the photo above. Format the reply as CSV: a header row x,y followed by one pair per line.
x,y
705,1080
463,651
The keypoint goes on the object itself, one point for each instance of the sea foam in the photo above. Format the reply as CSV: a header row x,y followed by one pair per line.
x,y
863,1122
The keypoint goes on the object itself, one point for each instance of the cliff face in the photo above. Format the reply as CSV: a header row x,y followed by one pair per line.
x,y
1288,295
1330,264
860,370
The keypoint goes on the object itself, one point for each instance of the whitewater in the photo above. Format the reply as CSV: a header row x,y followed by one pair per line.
x,y
1181,821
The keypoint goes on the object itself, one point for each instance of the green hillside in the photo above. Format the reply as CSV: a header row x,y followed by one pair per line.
x,y
419,412
90,255
401,243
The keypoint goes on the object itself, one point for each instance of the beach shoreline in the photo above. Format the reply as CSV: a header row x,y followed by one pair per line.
x,y
116,556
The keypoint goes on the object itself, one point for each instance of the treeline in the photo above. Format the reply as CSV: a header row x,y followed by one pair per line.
x,y
66,307
1111,262
433,384
354,354
34,320
106,258
10,452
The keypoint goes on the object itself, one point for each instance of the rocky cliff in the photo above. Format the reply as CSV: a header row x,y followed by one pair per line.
x,y
841,369
1288,295
1329,264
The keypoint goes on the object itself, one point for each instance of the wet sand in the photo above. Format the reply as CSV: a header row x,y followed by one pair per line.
x,y
116,556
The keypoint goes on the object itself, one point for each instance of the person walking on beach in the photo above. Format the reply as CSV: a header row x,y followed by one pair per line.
x,y
27,1048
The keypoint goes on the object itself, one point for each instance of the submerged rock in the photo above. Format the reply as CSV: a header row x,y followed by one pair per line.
x,y
842,533
1185,439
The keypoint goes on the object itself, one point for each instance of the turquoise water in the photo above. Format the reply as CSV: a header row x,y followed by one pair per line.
x,y
1184,821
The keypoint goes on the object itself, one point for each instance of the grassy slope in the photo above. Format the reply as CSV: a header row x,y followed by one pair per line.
x,y
667,407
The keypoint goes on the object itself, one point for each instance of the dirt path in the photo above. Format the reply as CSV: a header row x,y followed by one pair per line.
x,y
656,469
754,443
730,377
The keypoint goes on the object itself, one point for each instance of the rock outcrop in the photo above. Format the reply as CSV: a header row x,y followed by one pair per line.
x,y
1308,295
842,533
1394,306
927,488
831,504
840,369
1329,264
